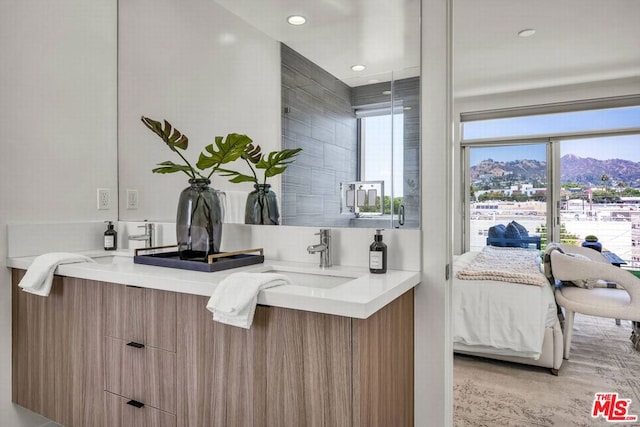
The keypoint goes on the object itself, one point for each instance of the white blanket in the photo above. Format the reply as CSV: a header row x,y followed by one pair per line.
x,y
234,300
515,265
39,276
500,317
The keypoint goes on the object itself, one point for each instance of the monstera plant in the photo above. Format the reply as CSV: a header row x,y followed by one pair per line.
x,y
262,203
272,164
200,212
222,151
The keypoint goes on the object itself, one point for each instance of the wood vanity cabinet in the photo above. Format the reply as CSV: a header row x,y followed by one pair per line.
x,y
57,358
100,354
296,368
139,356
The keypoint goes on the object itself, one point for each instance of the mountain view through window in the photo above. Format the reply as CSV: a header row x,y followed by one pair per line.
x,y
598,192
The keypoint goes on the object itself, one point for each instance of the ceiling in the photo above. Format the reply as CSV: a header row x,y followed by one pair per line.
x,y
576,41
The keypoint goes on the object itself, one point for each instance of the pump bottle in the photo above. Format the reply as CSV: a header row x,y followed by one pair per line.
x,y
378,254
110,237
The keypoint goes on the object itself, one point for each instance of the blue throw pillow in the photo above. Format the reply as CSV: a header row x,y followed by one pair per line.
x,y
512,232
521,228
497,231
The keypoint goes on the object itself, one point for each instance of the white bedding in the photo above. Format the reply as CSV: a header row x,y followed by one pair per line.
x,y
500,317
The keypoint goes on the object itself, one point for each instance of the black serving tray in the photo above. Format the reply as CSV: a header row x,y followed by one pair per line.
x,y
218,262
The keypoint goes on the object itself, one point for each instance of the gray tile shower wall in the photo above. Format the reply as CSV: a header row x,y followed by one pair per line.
x,y
318,117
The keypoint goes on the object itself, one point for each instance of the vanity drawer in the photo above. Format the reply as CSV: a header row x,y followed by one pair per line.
x,y
123,412
146,316
142,373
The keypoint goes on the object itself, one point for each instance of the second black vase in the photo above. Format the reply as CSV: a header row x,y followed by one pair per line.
x,y
262,206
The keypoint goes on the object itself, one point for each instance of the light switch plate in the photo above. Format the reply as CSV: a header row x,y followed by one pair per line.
x,y
132,199
104,198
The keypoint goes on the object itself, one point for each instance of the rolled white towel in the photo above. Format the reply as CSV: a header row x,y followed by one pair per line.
x,y
39,276
234,203
235,298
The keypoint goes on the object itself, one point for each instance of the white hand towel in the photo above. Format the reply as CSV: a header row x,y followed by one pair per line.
x,y
39,276
234,300
234,203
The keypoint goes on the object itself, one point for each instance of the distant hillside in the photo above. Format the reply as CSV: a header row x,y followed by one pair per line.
x,y
583,171
519,170
588,171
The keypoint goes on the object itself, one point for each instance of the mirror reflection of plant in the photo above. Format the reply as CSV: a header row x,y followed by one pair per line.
x,y
227,149
273,164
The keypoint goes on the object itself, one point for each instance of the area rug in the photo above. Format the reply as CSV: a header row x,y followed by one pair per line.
x,y
493,393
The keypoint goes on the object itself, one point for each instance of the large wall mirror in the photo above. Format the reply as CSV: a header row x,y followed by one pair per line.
x,y
215,67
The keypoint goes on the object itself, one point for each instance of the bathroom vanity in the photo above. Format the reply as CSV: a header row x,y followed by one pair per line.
x,y
122,344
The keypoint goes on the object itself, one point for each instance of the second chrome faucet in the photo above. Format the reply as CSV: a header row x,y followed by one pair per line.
x,y
147,237
324,248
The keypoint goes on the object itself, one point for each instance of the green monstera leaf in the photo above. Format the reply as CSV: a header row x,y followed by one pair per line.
x,y
276,162
170,167
273,164
225,150
171,136
252,153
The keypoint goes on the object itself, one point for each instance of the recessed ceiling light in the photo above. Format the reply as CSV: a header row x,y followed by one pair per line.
x,y
372,81
527,32
296,20
358,67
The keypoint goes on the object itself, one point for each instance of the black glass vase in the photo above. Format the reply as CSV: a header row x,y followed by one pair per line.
x,y
199,221
262,206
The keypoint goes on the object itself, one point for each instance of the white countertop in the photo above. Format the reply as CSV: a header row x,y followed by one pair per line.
x,y
358,297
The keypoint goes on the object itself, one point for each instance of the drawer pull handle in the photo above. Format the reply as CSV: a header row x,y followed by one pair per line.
x,y
135,344
135,403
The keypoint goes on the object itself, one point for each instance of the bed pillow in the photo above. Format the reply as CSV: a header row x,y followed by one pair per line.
x,y
497,231
521,228
512,232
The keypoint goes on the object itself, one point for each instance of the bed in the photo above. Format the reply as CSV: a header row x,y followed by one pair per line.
x,y
504,308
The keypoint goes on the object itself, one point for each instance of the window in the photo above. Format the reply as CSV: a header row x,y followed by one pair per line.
x,y
380,158
578,171
507,183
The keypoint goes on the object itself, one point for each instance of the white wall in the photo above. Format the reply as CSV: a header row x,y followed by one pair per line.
x,y
57,119
433,341
205,71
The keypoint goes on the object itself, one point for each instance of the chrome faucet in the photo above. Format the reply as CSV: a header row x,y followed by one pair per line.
x,y
324,247
147,237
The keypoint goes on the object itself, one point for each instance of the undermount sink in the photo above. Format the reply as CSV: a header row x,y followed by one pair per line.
x,y
324,280
113,259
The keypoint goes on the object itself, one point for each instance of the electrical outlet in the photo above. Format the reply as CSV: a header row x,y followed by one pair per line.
x,y
132,199
104,198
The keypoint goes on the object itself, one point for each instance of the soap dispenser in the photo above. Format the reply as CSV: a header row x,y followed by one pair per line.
x,y
378,254
110,237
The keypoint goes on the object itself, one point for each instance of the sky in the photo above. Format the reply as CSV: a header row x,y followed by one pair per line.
x,y
622,147
377,165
